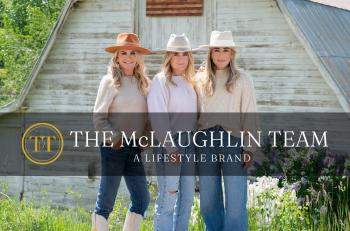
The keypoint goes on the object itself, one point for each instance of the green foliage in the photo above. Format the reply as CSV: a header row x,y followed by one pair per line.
x,y
319,177
25,216
270,209
273,208
24,29
2,9
287,214
196,221
17,12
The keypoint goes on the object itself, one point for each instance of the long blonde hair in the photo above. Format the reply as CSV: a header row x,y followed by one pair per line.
x,y
210,69
143,81
168,71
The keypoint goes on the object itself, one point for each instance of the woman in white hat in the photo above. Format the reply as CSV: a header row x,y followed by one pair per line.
x,y
125,82
172,104
226,96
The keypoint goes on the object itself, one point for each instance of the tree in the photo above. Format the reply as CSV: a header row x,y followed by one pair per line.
x,y
26,25
2,9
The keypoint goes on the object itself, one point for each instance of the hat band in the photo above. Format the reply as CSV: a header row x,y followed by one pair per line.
x,y
127,44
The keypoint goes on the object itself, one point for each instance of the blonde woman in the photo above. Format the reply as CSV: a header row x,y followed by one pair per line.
x,y
227,97
121,105
172,104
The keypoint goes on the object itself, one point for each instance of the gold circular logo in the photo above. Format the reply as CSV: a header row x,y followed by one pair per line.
x,y
42,143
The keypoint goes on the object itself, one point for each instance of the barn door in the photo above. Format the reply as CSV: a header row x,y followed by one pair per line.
x,y
154,31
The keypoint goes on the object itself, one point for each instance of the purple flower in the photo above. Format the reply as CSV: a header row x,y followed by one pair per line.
x,y
303,181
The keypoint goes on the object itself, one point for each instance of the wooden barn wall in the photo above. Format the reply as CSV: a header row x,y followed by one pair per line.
x,y
68,82
155,31
12,160
285,78
70,76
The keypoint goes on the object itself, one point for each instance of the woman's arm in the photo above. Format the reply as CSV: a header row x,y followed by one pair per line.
x,y
105,96
157,102
249,119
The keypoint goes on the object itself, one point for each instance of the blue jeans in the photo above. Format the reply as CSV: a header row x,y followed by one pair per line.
x,y
176,184
222,209
115,164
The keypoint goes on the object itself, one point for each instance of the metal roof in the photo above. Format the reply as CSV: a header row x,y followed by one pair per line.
x,y
327,30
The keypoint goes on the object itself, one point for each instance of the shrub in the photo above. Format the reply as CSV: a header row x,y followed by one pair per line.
x,y
24,29
318,176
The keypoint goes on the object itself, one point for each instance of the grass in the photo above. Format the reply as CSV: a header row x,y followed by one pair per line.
x,y
288,215
25,216
323,217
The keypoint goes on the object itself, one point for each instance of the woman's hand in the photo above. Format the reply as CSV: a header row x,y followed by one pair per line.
x,y
116,145
250,162
175,158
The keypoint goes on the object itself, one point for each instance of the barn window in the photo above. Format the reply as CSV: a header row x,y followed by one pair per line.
x,y
174,8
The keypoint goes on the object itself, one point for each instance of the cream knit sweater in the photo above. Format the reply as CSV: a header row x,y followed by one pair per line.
x,y
120,109
235,111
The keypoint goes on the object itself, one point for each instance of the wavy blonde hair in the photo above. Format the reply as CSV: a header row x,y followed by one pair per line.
x,y
168,72
143,81
210,69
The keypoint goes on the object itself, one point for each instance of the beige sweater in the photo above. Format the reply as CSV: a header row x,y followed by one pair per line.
x,y
225,109
122,109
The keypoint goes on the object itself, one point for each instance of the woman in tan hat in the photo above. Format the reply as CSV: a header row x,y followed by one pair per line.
x,y
172,104
227,97
121,106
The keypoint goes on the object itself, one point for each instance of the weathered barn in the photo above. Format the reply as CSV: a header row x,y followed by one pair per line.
x,y
295,63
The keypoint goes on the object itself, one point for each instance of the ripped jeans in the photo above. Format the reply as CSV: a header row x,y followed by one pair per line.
x,y
176,184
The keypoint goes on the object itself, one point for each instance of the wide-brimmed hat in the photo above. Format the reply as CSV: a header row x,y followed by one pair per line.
x,y
178,43
221,39
128,41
